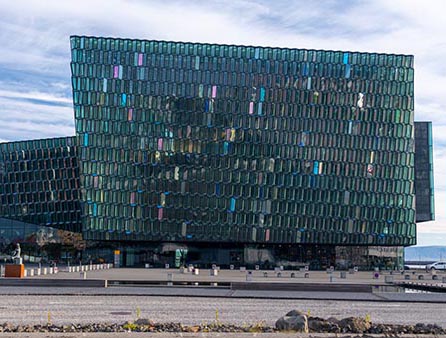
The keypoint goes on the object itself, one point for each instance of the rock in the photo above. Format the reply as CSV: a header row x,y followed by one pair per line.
x,y
295,313
333,320
144,322
354,325
316,324
8,327
194,329
297,323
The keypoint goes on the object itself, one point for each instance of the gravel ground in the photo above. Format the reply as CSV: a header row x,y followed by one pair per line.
x,y
190,335
189,311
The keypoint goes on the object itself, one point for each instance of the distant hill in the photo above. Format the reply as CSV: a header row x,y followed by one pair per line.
x,y
425,253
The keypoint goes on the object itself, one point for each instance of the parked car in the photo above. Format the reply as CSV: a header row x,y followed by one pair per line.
x,y
436,266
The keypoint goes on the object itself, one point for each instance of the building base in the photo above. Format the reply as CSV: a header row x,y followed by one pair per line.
x,y
225,255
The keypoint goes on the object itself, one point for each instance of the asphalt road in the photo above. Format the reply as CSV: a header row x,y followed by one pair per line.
x,y
189,310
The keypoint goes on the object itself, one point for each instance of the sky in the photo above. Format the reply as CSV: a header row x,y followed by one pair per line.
x,y
35,87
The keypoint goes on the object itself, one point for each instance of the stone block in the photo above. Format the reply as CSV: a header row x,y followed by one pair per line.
x,y
15,271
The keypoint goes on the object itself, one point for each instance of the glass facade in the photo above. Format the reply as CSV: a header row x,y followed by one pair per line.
x,y
39,183
39,243
194,142
424,172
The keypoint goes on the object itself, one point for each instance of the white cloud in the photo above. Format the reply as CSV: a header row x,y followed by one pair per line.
x,y
34,95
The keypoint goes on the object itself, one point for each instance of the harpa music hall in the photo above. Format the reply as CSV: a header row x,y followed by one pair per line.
x,y
205,153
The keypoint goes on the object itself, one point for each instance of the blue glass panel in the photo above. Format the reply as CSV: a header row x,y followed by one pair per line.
x,y
347,71
232,207
257,53
316,167
225,148
262,94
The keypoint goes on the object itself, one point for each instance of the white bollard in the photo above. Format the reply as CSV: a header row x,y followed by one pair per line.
x,y
196,271
50,271
44,271
31,272
25,273
38,271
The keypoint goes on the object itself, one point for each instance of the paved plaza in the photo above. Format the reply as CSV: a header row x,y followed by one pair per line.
x,y
141,274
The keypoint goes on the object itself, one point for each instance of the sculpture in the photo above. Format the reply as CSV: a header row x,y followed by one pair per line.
x,y
17,252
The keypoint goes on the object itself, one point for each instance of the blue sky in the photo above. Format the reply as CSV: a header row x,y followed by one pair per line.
x,y
35,88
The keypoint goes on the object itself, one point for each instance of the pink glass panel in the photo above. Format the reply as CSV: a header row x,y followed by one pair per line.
x,y
130,115
132,198
251,107
116,72
267,235
160,144
160,213
140,59
214,91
